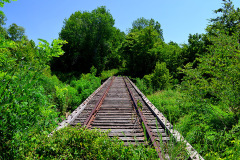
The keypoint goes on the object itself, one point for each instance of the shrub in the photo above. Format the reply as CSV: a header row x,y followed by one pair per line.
x,y
108,73
158,80
24,105
86,85
161,77
82,143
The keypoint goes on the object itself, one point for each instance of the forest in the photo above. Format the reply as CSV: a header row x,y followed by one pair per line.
x,y
195,85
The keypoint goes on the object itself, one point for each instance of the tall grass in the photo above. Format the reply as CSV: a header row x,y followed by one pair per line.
x,y
211,129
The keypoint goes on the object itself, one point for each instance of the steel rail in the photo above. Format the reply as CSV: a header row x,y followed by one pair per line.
x,y
148,129
92,115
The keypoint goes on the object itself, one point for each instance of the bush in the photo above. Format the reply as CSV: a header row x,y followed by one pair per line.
x,y
108,73
24,106
86,85
158,80
161,77
82,143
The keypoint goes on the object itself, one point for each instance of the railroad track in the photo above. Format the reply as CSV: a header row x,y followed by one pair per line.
x,y
119,106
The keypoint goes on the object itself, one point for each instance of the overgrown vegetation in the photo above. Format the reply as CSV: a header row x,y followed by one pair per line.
x,y
211,129
32,101
195,85
81,143
205,105
108,73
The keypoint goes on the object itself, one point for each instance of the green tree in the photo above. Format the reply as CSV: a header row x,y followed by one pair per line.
x,y
195,48
3,31
136,51
142,23
15,32
228,20
216,79
88,35
160,77
171,54
2,19
114,58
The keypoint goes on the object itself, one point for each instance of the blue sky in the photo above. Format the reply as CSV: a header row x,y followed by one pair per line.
x,y
178,18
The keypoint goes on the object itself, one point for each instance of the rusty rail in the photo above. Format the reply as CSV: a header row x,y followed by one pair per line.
x,y
143,119
92,115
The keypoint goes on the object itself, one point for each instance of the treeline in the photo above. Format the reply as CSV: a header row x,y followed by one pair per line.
x,y
94,41
196,85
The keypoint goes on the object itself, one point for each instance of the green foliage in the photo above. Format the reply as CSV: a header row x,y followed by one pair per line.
x,y
114,59
6,60
89,36
16,33
46,53
158,80
139,104
203,126
136,51
210,107
148,80
2,3
226,22
171,54
205,106
211,88
142,23
81,143
216,79
196,47
62,98
140,83
25,106
86,85
161,77
68,97
2,19
169,103
144,47
207,110
108,73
